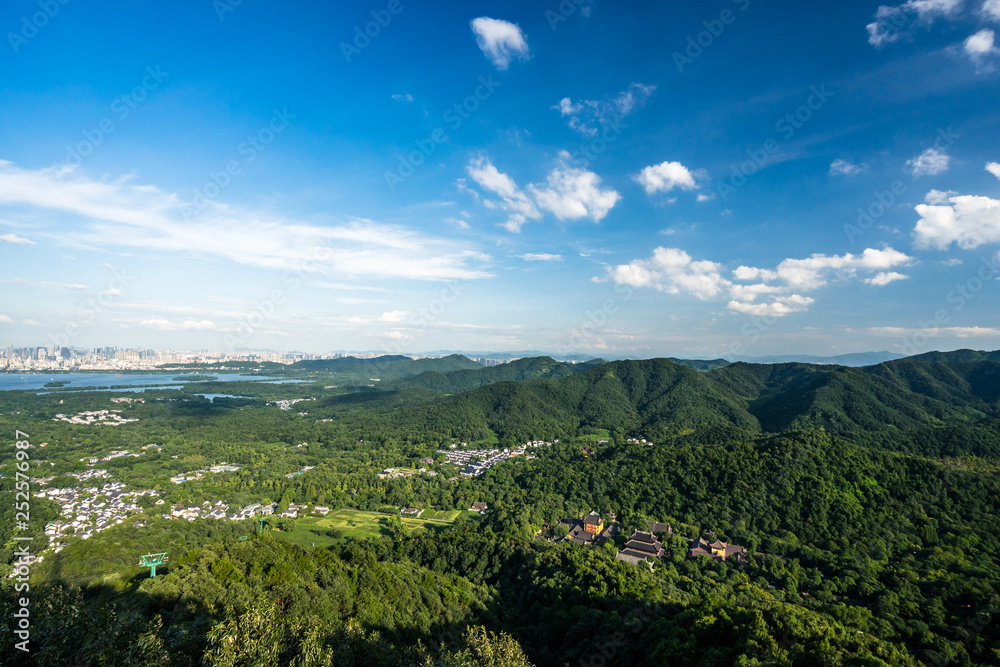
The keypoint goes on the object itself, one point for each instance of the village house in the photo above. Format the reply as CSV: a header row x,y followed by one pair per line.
x,y
478,507
411,511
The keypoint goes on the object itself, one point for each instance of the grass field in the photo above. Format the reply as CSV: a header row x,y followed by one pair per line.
x,y
313,531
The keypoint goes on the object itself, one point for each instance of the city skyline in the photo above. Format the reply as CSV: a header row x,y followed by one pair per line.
x,y
581,178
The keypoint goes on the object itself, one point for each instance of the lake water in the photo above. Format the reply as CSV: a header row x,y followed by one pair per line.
x,y
10,381
212,397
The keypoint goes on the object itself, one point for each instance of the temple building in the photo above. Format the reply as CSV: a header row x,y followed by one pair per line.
x,y
717,550
640,547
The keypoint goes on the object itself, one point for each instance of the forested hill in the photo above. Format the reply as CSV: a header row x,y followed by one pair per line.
x,y
457,382
519,370
658,398
387,366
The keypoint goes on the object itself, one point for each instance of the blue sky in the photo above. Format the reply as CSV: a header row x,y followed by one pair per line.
x,y
737,177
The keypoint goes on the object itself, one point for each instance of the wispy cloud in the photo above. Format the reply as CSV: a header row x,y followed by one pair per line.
x,y
120,213
568,193
588,116
540,257
841,167
893,23
15,239
929,163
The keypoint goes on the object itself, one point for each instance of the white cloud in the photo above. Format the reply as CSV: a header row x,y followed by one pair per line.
x,y
891,23
458,222
120,213
980,46
393,316
954,261
515,202
403,98
674,271
501,41
15,239
198,325
842,167
587,116
968,221
541,257
991,9
571,194
76,286
161,325
703,197
929,163
812,273
886,277
666,176
568,193
6,318
994,168
32,323
779,307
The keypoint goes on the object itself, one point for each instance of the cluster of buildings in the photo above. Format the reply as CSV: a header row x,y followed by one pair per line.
x,y
198,474
644,545
107,417
115,454
474,462
286,404
396,473
589,530
220,510
85,514
717,550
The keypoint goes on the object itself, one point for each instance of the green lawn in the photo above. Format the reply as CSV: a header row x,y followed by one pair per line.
x,y
312,530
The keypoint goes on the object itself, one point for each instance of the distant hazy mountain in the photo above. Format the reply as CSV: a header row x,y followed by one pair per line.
x,y
856,359
388,367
